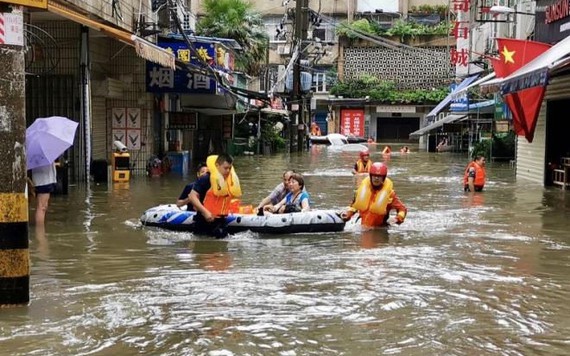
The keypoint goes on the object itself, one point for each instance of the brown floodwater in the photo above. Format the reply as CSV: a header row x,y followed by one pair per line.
x,y
464,275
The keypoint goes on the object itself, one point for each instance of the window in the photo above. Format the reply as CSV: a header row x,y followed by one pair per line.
x,y
319,82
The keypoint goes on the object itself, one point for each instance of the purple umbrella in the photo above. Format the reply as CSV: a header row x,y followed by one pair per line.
x,y
47,138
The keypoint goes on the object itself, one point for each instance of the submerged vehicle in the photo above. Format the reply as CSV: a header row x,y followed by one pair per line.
x,y
336,139
170,217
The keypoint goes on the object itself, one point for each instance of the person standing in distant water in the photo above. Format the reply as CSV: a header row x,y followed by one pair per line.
x,y
184,198
475,175
45,180
315,129
363,164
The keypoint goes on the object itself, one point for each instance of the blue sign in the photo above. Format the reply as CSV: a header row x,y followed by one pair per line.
x,y
165,80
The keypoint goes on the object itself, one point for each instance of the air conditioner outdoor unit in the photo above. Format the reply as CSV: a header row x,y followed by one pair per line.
x,y
283,50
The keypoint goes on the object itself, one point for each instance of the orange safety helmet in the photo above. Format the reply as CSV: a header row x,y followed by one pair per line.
x,y
378,169
364,153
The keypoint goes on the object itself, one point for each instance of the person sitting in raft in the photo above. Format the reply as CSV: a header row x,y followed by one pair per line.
x,y
278,193
363,164
297,200
375,198
371,140
184,198
213,195
475,175
405,149
387,150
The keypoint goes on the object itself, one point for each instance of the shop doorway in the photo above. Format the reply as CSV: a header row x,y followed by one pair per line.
x,y
396,129
557,143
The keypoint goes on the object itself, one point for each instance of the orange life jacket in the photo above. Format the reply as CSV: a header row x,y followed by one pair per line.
x,y
373,203
217,205
220,198
362,167
480,175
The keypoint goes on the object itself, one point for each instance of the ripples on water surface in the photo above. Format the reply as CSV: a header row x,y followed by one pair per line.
x,y
483,274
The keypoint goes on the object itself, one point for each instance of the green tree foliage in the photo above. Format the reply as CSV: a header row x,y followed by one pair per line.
x,y
237,20
400,28
386,91
499,146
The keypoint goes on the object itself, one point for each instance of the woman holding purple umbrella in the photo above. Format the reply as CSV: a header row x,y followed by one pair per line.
x,y
45,180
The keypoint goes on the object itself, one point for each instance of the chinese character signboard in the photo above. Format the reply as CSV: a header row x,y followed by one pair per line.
x,y
12,28
182,120
461,28
352,122
165,80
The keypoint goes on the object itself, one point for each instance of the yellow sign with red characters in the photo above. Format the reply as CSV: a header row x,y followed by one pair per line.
x,y
42,4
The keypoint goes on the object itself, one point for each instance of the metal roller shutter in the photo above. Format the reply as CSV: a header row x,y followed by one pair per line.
x,y
531,163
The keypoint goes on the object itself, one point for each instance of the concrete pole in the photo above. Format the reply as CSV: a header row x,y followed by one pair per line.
x,y
14,251
301,27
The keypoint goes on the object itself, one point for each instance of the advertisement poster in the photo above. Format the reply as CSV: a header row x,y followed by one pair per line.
x,y
352,122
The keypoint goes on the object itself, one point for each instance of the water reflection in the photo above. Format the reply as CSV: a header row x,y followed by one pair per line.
x,y
212,255
373,238
465,274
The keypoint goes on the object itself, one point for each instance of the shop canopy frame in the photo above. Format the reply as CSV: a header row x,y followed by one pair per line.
x,y
451,96
437,124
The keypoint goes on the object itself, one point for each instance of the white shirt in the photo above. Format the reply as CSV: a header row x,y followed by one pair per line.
x,y
44,175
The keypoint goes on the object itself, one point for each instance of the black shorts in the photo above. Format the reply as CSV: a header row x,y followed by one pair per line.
x,y
45,189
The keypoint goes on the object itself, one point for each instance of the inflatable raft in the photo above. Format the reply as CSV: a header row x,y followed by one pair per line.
x,y
172,218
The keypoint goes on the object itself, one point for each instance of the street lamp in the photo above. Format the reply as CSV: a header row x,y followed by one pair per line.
x,y
505,10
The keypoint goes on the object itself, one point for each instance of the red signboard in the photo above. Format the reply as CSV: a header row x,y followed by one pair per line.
x,y
352,122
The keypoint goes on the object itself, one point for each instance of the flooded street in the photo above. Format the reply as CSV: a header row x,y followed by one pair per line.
x,y
464,275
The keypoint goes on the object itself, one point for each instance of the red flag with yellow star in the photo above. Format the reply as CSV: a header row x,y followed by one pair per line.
x,y
525,104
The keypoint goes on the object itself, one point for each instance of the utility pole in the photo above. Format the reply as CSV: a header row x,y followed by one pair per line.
x,y
301,27
14,248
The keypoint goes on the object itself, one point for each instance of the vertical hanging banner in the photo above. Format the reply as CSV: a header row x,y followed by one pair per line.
x,y
352,122
461,29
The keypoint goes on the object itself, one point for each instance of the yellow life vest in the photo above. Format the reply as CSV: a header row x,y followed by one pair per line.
x,y
364,194
220,186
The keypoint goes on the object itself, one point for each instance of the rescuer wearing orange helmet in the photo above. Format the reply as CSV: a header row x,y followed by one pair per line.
x,y
375,198
363,164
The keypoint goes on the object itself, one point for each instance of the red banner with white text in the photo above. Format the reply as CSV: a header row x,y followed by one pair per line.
x,y
352,122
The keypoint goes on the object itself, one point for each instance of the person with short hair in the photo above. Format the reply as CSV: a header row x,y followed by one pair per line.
x,y
212,196
45,180
278,193
297,200
184,198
